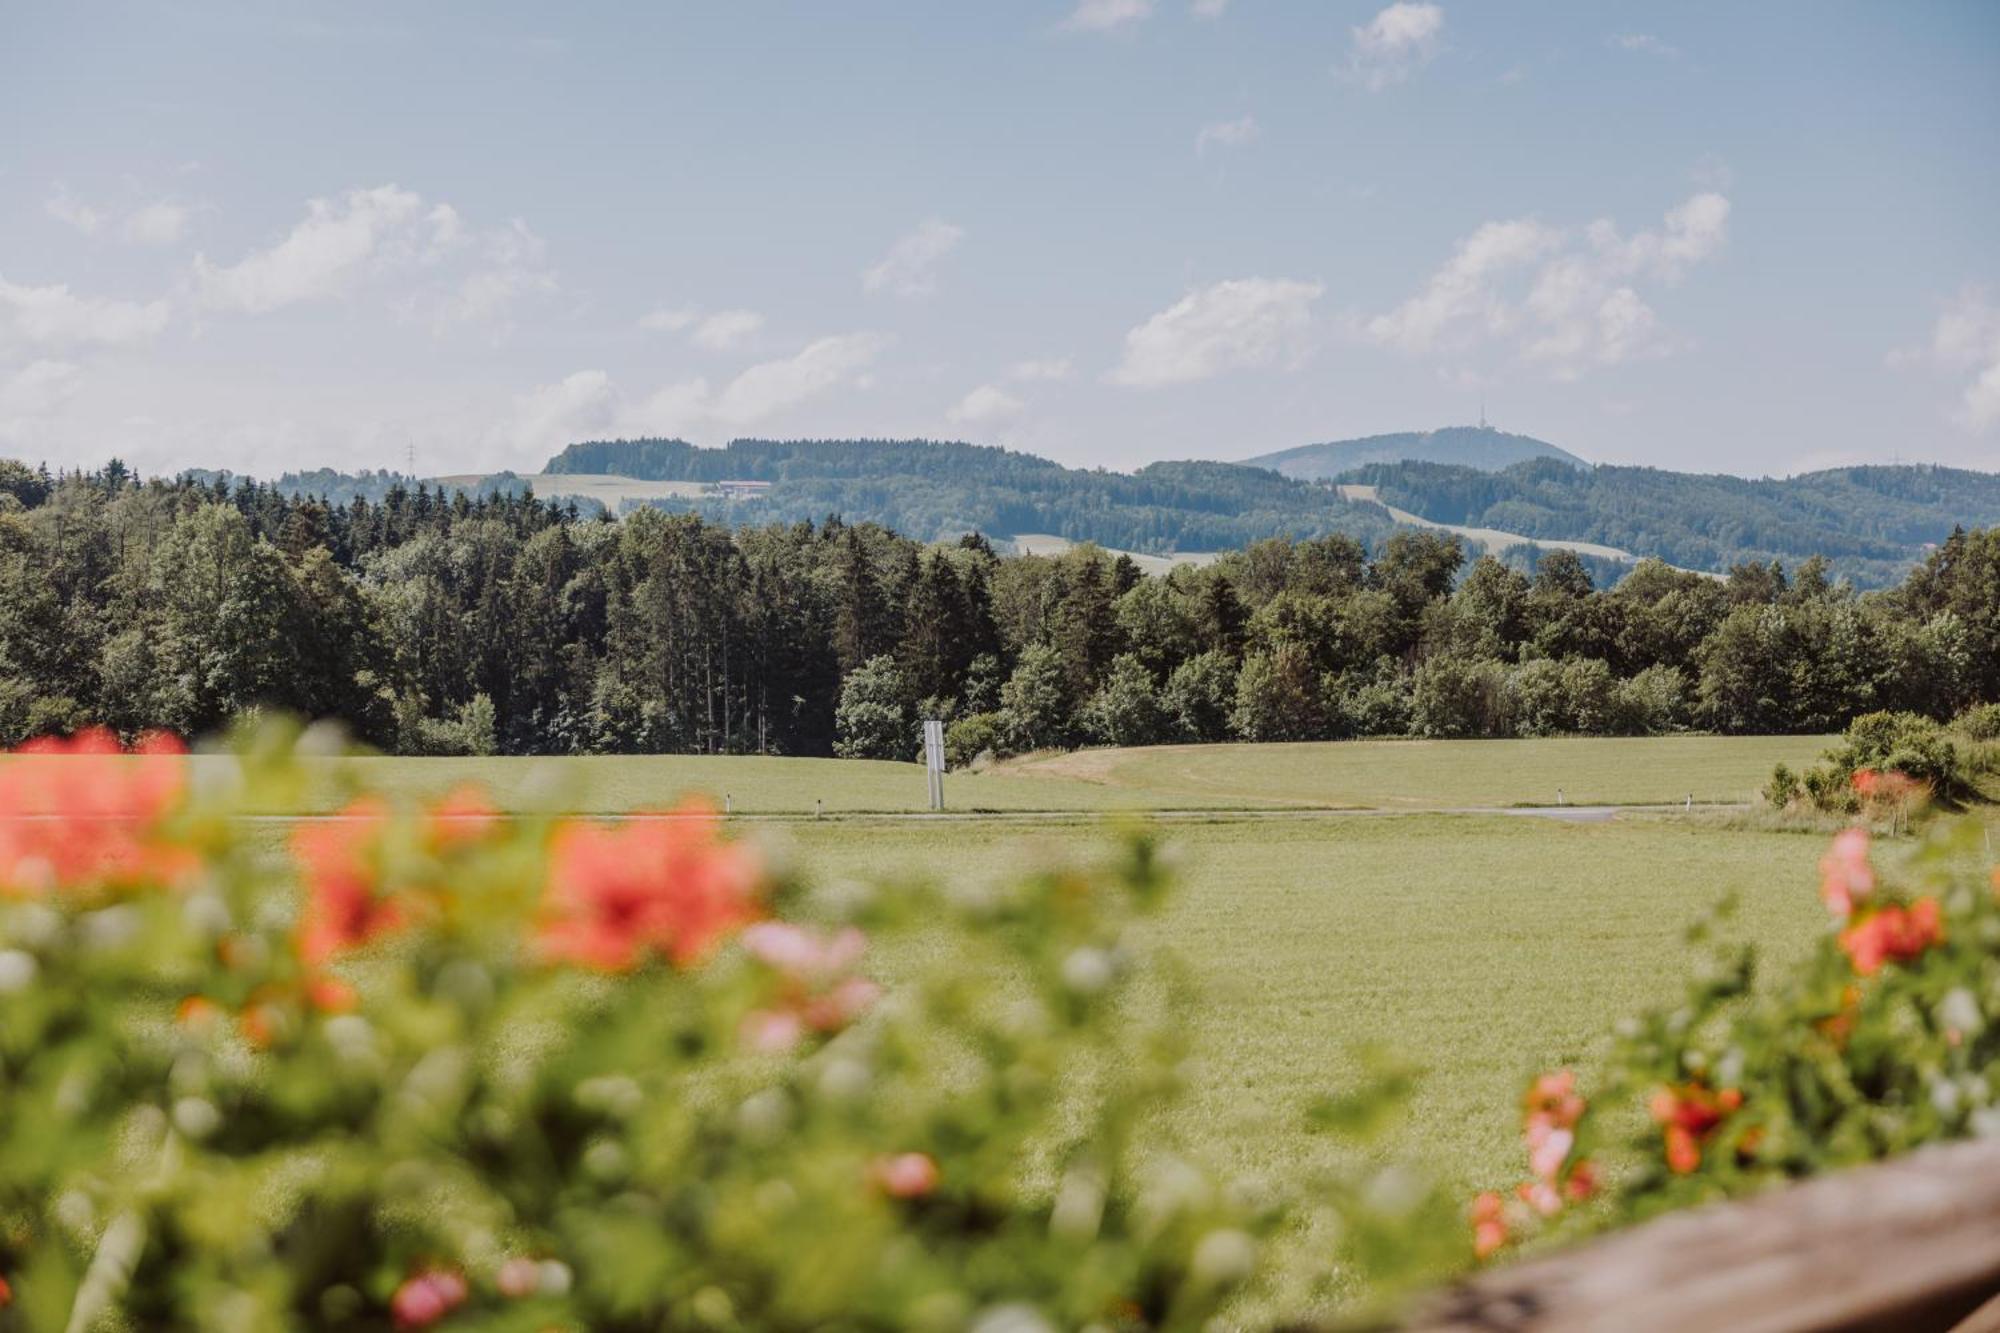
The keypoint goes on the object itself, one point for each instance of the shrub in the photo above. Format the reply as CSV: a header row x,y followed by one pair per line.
x,y
561,1074
1652,702
1981,722
1036,701
1199,696
1379,707
1125,710
872,720
1455,696
969,737
1783,790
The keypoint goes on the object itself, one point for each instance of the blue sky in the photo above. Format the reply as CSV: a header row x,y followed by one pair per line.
x,y
1750,238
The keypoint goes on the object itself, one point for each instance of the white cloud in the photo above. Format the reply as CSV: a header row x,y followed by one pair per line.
x,y
726,328
1966,340
1044,369
1646,42
33,394
985,404
54,316
770,387
67,208
161,223
1103,15
320,258
506,264
669,319
1236,325
1227,134
910,268
1394,44
1210,9
553,415
453,274
1564,300
588,403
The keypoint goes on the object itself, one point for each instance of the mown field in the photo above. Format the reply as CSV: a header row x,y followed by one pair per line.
x,y
1391,775
1483,949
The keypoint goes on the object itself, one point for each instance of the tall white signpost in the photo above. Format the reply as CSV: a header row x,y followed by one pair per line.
x,y
934,760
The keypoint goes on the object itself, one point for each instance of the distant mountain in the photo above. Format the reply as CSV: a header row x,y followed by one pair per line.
x,y
1479,447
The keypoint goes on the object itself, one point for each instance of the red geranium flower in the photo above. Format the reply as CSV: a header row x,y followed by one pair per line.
x,y
346,902
81,813
1689,1115
1893,935
619,894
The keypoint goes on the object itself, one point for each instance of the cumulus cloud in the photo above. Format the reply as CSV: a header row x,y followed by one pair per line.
x,y
910,267
576,407
455,273
34,393
1966,342
160,223
986,404
1226,134
770,387
588,403
319,258
1237,325
1104,15
1564,299
66,208
54,316
1395,44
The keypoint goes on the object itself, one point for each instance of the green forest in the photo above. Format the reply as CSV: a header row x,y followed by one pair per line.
x,y
433,624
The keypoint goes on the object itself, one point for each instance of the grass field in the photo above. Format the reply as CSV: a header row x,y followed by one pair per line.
x,y
1393,775
1431,775
1483,949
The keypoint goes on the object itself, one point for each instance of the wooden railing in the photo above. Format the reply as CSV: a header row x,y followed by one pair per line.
x,y
1911,1245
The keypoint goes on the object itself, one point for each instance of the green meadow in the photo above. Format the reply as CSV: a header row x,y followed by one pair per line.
x,y
1384,775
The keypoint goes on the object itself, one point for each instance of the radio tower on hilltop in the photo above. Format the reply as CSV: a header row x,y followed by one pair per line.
x,y
1482,413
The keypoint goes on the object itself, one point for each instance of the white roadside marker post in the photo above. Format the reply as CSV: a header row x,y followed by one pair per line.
x,y
934,761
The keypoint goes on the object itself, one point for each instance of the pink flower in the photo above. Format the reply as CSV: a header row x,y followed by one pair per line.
x,y
519,1278
426,1298
1548,1149
1846,878
1541,1196
1489,1224
816,990
909,1175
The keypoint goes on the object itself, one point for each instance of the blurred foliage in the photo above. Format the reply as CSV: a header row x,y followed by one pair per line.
x,y
432,1065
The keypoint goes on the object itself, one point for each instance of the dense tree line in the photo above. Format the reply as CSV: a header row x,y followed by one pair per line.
x,y
504,623
1869,523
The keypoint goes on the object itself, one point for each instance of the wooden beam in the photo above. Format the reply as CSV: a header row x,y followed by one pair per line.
x,y
1911,1245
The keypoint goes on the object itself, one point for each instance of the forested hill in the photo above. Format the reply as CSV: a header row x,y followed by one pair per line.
x,y
1871,524
1463,446
934,490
